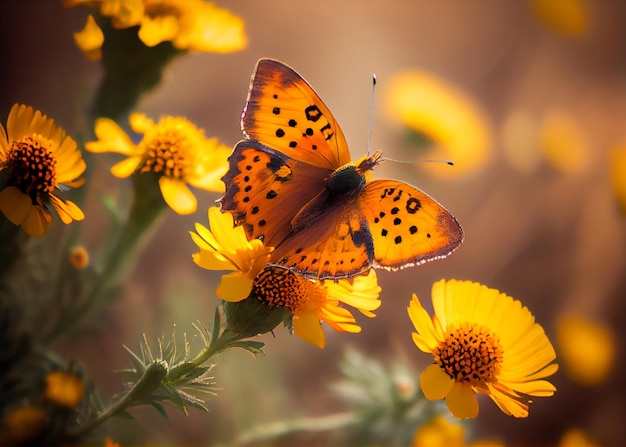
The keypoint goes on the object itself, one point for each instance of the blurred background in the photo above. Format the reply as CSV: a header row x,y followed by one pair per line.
x,y
535,110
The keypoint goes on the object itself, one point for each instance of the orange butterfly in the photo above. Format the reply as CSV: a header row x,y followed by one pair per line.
x,y
292,184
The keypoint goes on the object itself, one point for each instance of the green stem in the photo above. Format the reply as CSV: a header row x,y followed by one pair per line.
x,y
146,208
150,380
275,430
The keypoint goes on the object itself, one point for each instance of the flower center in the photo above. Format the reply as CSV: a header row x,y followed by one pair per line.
x,y
278,287
470,354
32,165
167,153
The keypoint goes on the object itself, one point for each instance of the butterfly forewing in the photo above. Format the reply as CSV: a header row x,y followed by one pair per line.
x,y
407,226
265,189
284,112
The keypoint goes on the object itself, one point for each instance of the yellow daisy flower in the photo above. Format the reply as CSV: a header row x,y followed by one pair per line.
x,y
36,159
314,302
174,148
193,25
483,341
226,247
450,118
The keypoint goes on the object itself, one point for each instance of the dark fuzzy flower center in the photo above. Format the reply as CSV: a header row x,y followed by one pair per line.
x,y
470,354
31,165
167,153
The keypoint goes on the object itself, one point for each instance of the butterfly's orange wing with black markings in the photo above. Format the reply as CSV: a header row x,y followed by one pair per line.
x,y
292,184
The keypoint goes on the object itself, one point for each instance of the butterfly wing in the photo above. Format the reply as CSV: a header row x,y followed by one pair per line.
x,y
265,189
334,243
284,112
407,226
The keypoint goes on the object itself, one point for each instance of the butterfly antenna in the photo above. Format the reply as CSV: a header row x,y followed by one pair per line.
x,y
371,127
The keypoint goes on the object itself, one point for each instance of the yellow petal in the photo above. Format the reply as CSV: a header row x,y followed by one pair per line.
x,y
126,167
68,211
462,401
177,195
234,287
111,138
308,327
140,123
211,260
153,31
435,383
426,339
90,39
14,204
37,221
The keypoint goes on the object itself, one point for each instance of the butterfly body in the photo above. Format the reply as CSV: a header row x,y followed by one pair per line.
x,y
292,184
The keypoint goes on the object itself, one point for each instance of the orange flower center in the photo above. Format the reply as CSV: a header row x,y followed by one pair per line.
x,y
278,287
470,354
167,153
32,165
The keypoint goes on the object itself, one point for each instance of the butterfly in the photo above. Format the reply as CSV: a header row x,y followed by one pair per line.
x,y
292,184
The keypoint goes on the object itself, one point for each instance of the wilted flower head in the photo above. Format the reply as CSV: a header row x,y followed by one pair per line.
x,y
37,159
173,148
483,341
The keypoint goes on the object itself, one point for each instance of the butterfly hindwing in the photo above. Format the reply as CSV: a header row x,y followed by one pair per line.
x,y
407,226
336,243
284,112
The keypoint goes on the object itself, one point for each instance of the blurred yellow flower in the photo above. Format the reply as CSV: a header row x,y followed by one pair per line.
x,y
441,432
64,389
576,438
37,158
519,140
587,349
313,302
451,119
568,17
79,258
618,175
483,341
22,424
173,148
193,25
226,247
90,39
563,143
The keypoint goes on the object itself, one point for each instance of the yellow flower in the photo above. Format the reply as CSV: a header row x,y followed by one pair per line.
x,y
22,424
173,148
440,432
587,349
226,247
451,119
90,39
618,175
37,158
193,25
567,17
483,341
313,302
64,389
